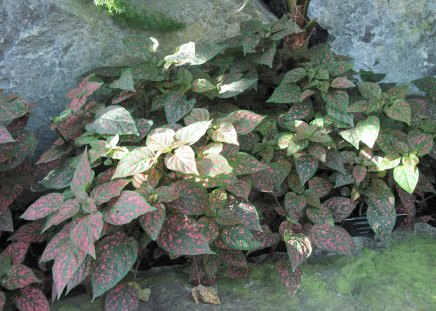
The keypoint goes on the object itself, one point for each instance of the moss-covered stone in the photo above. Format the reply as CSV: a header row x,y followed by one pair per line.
x,y
400,277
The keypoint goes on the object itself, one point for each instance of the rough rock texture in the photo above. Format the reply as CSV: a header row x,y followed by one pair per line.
x,y
399,277
397,37
46,45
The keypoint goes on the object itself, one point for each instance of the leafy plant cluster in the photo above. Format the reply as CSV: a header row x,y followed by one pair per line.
x,y
216,152
127,15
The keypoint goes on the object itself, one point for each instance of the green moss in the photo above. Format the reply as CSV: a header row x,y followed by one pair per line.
x,y
129,16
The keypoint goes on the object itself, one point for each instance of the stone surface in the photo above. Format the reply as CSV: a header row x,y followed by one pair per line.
x,y
47,45
397,37
399,277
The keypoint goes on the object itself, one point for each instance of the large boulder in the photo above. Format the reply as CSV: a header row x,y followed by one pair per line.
x,y
46,45
396,37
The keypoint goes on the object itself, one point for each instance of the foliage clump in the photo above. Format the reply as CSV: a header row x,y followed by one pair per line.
x,y
219,151
136,18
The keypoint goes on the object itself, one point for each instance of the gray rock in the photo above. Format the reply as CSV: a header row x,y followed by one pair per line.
x,y
47,45
398,277
396,37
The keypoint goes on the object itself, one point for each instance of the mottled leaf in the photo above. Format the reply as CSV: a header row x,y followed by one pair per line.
x,y
399,110
285,94
331,238
112,189
122,298
181,235
245,212
380,223
5,136
335,161
225,133
83,176
244,121
116,254
85,231
176,106
17,251
306,167
321,186
152,222
113,120
193,198
80,275
183,160
295,205
341,207
18,276
44,206
342,83
420,142
192,133
242,188
379,195
125,82
137,161
129,206
291,280
298,247
32,299
239,238
244,164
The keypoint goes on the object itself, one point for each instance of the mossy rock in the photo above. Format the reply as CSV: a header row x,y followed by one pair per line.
x,y
400,277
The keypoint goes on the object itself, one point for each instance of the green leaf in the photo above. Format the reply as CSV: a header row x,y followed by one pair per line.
x,y
183,160
331,238
130,205
285,94
239,238
400,110
369,76
407,175
83,176
125,82
181,235
370,90
225,133
284,27
137,161
428,85
382,224
192,133
113,120
116,254
244,164
291,143
298,247
366,131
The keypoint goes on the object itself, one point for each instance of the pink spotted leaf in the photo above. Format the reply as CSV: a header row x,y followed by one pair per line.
x,y
295,205
244,164
298,247
181,235
66,264
5,136
122,298
83,176
379,195
331,238
193,198
44,206
341,207
321,186
242,188
80,275
244,121
135,162
112,189
18,251
291,280
85,231
129,205
32,299
68,209
19,276
152,222
245,212
239,238
30,232
116,254
306,167
57,244
381,224
225,133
